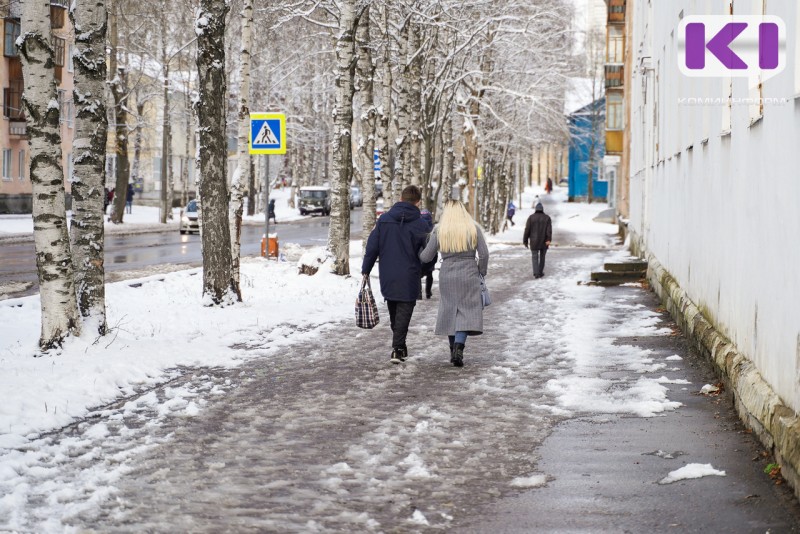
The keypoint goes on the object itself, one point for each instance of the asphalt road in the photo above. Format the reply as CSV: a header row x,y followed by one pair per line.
x,y
136,252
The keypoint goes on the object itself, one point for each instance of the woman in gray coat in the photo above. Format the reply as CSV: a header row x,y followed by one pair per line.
x,y
458,237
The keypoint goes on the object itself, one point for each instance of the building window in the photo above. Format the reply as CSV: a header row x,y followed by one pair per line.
x,y
111,169
70,167
12,32
6,164
22,165
70,66
58,51
614,119
65,107
615,48
12,100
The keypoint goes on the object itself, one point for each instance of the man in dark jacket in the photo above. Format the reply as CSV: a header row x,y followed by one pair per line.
x,y
539,231
397,239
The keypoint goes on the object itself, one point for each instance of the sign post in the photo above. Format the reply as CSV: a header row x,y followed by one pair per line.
x,y
267,137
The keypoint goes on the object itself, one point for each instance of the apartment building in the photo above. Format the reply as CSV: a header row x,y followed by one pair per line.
x,y
15,185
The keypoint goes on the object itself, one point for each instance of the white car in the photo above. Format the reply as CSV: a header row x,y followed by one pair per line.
x,y
189,221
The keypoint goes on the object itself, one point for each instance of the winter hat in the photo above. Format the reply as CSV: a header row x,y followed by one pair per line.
x,y
539,207
455,193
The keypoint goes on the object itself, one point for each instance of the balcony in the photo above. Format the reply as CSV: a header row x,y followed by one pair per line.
x,y
18,129
616,11
615,76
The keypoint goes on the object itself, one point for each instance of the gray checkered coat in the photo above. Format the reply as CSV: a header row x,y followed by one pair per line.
x,y
460,307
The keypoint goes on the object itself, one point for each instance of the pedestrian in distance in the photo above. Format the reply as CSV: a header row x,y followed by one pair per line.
x,y
539,233
427,268
459,239
271,212
397,239
512,209
548,186
129,198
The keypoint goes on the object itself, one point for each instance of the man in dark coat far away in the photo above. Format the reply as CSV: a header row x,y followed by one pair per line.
x,y
539,231
397,239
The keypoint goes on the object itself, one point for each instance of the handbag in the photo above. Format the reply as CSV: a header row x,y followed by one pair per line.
x,y
486,299
366,307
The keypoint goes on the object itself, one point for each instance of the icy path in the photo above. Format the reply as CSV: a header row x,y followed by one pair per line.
x,y
321,433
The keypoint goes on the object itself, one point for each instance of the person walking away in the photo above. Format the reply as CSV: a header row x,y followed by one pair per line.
x,y
271,213
129,198
512,209
459,238
427,268
548,186
397,239
539,233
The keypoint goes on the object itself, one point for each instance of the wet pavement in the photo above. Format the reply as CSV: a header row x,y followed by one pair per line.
x,y
321,434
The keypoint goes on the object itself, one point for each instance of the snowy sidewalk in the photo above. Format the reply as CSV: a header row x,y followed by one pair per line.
x,y
316,432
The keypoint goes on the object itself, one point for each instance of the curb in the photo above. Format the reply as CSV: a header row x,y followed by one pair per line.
x,y
760,408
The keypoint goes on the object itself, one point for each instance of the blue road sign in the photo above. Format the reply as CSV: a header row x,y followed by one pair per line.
x,y
267,133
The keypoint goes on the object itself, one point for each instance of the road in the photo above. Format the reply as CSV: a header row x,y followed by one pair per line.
x,y
138,252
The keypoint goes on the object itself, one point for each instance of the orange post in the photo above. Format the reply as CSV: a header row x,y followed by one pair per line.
x,y
273,247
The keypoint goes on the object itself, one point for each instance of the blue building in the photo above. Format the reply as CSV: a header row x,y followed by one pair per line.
x,y
586,150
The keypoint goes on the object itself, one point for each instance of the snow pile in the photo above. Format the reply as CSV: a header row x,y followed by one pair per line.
x,y
691,471
157,323
533,481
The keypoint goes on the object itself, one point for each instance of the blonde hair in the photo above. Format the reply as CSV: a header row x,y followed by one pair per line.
x,y
457,231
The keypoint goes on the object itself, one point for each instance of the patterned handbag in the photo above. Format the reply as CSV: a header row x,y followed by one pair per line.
x,y
486,299
366,307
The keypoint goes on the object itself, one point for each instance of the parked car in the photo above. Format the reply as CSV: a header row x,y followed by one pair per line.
x,y
315,200
189,221
355,197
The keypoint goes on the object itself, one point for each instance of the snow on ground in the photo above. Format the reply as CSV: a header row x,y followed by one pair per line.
x,y
159,324
691,471
283,211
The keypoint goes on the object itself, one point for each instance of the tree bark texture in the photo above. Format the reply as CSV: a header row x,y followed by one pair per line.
x,y
366,144
118,93
51,239
89,153
342,171
218,284
242,176
384,112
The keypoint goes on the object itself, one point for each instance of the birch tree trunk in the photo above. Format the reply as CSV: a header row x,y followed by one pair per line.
x,y
118,92
218,283
89,151
400,179
51,239
242,175
366,144
414,119
384,113
342,171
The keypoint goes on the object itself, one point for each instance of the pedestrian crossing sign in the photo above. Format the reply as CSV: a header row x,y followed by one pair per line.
x,y
267,133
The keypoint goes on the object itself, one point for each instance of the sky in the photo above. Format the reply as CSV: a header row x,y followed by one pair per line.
x,y
158,323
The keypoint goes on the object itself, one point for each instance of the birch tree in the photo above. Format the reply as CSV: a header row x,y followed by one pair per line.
x,y
241,177
339,233
51,239
366,142
218,283
89,150
119,93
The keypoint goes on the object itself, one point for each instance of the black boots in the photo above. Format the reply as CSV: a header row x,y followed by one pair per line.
x,y
399,355
457,355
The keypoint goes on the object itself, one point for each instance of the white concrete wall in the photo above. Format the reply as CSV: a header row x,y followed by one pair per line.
x,y
715,199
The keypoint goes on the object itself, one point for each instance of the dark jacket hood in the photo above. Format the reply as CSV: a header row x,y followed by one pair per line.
x,y
403,212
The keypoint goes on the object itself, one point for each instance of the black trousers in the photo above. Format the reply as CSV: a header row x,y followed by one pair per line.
x,y
399,317
537,257
428,285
